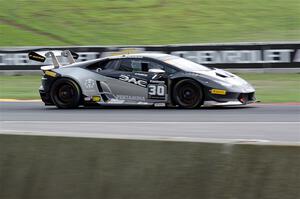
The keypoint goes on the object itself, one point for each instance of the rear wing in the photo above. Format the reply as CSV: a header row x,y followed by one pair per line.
x,y
43,55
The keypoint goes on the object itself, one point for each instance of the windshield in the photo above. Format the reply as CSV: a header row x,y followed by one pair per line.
x,y
185,64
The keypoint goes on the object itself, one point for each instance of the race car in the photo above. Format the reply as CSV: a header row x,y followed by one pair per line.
x,y
154,79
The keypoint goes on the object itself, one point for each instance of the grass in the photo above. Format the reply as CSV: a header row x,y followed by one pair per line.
x,y
275,87
269,87
20,87
107,22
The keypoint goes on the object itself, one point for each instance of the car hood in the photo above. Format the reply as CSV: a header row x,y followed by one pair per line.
x,y
226,79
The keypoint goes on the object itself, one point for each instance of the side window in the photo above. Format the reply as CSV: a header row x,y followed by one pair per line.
x,y
168,70
154,65
133,65
111,65
125,65
136,65
99,64
139,65
102,65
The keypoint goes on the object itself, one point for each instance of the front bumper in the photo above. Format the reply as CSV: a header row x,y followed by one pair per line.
x,y
230,98
247,98
229,103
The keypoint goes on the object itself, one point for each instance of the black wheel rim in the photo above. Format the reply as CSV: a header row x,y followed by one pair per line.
x,y
66,93
188,94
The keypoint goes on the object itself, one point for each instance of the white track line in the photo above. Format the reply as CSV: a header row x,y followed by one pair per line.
x,y
130,137
144,122
138,137
227,142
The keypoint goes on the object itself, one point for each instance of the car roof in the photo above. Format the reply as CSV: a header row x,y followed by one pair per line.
x,y
158,56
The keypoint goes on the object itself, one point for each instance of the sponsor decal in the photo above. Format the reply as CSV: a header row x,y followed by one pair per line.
x,y
241,56
297,56
133,80
35,56
160,104
141,74
154,76
96,98
157,91
218,92
157,81
88,98
50,73
270,54
90,84
130,97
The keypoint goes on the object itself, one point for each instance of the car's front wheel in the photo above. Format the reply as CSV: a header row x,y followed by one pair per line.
x,y
187,93
65,93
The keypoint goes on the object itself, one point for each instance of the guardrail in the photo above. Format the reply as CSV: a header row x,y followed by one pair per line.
x,y
228,55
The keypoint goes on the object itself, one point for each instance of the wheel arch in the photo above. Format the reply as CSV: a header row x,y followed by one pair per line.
x,y
176,80
67,77
72,79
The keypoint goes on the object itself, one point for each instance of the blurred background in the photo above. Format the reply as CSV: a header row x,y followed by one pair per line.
x,y
124,22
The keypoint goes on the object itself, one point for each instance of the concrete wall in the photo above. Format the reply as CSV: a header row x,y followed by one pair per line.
x,y
58,167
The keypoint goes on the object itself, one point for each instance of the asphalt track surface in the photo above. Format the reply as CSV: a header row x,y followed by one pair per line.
x,y
253,122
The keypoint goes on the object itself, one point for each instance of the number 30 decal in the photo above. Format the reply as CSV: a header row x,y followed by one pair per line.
x,y
156,91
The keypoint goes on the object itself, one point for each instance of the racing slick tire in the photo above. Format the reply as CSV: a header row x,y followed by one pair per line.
x,y
187,93
65,93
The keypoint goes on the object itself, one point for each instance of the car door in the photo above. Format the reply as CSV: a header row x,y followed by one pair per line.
x,y
126,79
157,82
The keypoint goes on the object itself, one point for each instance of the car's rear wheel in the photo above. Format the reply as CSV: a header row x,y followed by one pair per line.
x,y
65,93
188,93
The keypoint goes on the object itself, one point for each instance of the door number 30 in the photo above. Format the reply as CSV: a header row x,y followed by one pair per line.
x,y
156,90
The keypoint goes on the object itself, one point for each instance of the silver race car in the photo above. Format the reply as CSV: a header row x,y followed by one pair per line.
x,y
138,79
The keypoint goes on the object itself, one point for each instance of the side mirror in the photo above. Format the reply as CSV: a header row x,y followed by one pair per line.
x,y
156,70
